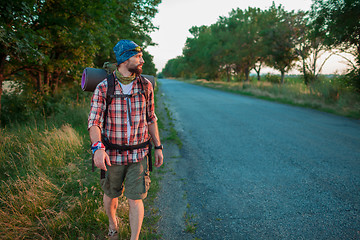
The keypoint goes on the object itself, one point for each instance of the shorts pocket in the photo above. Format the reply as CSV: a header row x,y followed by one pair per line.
x,y
147,182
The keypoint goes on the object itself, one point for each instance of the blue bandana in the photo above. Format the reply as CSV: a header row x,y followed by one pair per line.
x,y
125,49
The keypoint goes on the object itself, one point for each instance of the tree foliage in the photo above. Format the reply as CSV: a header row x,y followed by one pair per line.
x,y
252,38
279,39
176,67
45,44
340,20
244,27
245,40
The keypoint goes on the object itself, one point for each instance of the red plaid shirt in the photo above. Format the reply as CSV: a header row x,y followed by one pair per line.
x,y
116,122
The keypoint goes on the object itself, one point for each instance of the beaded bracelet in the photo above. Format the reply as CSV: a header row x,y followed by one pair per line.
x,y
96,146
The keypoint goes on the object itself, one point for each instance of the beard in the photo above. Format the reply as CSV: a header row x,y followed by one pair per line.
x,y
135,69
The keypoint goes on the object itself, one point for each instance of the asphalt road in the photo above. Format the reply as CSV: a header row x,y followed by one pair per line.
x,y
252,169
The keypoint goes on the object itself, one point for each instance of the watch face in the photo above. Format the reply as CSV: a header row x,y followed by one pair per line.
x,y
159,147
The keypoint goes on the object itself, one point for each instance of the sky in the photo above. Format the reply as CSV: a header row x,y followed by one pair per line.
x,y
176,17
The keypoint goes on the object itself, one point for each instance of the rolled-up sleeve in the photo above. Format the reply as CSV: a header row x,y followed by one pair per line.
x,y
98,105
151,118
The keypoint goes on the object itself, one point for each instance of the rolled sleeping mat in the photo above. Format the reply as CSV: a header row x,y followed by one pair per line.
x,y
91,77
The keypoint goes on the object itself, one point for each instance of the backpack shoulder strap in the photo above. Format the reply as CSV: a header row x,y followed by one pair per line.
x,y
110,88
109,93
144,86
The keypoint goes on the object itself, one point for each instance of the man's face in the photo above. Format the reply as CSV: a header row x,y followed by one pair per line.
x,y
135,63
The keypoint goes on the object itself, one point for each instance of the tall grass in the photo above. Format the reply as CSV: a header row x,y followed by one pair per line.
x,y
44,189
47,188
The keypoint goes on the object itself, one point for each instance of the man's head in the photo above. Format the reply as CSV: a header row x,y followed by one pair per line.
x,y
130,54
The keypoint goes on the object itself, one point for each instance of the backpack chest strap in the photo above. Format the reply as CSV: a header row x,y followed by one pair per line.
x,y
142,92
127,97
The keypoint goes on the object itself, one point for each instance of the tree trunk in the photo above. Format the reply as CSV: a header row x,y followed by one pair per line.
x,y
358,55
1,90
2,65
258,73
282,77
55,81
306,77
247,73
39,82
257,70
46,79
227,74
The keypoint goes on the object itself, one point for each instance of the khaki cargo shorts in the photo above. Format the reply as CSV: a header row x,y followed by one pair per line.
x,y
135,177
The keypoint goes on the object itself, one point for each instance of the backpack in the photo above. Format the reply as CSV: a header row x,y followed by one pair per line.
x,y
90,79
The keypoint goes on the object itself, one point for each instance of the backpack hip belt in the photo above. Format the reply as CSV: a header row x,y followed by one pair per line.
x,y
122,148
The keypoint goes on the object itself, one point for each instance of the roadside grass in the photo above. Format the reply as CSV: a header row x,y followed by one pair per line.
x,y
325,95
47,188
169,127
172,135
190,224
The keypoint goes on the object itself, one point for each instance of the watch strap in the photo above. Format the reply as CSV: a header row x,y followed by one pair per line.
x,y
159,147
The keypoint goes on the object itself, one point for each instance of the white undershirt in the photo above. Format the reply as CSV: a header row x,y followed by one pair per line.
x,y
127,90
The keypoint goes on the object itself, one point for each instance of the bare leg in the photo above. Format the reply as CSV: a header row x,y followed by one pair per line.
x,y
110,205
136,216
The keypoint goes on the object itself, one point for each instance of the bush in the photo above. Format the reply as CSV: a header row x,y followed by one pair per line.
x,y
23,105
273,78
160,75
328,88
352,79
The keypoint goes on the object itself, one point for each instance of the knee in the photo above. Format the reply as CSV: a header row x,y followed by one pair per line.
x,y
135,203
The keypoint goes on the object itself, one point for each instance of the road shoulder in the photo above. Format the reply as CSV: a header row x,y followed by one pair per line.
x,y
171,200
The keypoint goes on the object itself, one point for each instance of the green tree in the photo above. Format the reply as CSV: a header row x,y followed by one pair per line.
x,y
279,39
17,39
149,66
244,25
46,44
176,67
223,49
310,47
261,50
340,19
199,52
247,40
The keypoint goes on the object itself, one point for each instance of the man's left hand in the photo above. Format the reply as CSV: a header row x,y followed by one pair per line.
x,y
159,158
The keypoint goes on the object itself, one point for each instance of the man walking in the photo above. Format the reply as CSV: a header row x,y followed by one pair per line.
x,y
125,127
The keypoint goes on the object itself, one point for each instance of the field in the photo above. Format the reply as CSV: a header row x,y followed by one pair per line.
x,y
326,95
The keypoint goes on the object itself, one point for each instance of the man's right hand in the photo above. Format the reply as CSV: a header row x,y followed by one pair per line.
x,y
100,158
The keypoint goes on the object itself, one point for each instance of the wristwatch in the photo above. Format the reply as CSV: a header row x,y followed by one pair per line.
x,y
159,147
